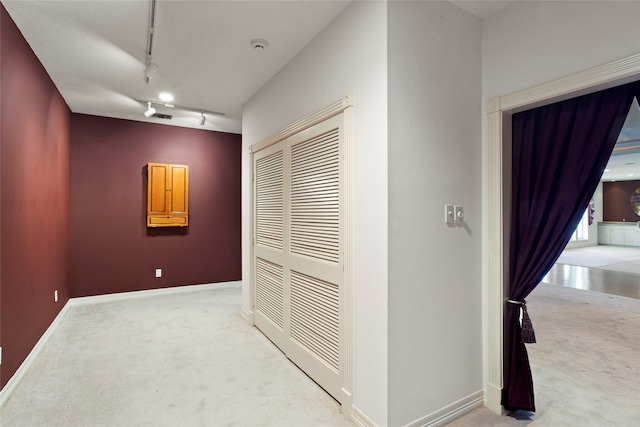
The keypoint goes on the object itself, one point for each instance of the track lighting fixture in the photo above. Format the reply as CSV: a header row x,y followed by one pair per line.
x,y
150,110
150,70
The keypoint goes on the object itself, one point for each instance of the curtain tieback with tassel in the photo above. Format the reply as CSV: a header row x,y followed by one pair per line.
x,y
528,334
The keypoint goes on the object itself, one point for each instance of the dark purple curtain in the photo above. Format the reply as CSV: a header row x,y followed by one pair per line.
x,y
559,154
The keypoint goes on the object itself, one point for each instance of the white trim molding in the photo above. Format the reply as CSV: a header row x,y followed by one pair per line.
x,y
306,122
249,317
360,419
497,176
347,296
603,77
495,271
122,296
451,412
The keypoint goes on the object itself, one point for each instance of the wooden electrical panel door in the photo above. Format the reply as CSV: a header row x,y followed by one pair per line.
x,y
167,195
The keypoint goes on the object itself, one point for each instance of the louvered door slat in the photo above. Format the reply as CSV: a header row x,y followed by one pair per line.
x,y
315,316
269,290
269,201
319,163
324,305
320,200
304,181
315,189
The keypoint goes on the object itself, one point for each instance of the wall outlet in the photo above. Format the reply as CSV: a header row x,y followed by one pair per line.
x,y
458,214
158,272
0,355
55,296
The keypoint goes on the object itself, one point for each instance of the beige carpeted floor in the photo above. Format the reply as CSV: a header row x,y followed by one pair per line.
x,y
585,365
176,360
191,360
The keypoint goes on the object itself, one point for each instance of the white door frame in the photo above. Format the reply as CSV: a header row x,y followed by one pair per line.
x,y
341,106
497,178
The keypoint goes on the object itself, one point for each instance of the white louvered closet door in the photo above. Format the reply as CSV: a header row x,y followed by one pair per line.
x,y
298,249
269,241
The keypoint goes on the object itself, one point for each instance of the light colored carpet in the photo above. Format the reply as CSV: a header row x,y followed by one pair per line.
x,y
617,258
175,360
191,360
586,363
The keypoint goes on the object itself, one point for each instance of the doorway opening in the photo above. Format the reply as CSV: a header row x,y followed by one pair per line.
x,y
497,208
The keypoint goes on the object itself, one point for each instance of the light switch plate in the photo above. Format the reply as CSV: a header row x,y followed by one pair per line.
x,y
449,217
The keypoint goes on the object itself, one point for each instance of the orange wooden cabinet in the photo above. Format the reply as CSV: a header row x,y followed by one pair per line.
x,y
167,195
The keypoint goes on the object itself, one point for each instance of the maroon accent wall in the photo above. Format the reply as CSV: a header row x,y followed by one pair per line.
x,y
112,250
616,201
34,197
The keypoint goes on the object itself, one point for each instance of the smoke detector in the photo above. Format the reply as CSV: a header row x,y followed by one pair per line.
x,y
259,44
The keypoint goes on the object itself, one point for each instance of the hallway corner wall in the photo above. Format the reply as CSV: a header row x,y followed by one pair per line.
x,y
34,206
435,269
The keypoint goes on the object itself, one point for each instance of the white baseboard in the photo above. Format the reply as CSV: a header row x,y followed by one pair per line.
x,y
493,398
8,389
360,419
451,412
121,296
13,382
249,317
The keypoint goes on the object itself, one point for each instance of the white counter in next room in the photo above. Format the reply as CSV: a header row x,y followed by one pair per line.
x,y
619,233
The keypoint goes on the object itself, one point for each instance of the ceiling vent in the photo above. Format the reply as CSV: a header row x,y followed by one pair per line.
x,y
163,116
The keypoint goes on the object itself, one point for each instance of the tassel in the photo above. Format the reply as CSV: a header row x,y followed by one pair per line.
x,y
528,335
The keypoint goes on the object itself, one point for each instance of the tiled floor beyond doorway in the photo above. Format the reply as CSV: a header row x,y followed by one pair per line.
x,y
608,269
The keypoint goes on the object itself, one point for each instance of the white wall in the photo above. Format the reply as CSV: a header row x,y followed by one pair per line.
x,y
435,299
350,55
533,42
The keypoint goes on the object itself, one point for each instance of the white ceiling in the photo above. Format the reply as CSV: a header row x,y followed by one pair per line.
x,y
482,8
95,53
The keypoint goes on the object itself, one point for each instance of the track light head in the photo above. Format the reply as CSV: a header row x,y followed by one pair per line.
x,y
150,110
150,70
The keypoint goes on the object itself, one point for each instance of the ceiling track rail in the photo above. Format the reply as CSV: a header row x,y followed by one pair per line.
x,y
152,23
179,107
